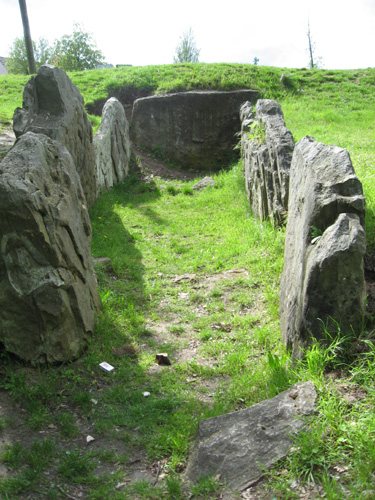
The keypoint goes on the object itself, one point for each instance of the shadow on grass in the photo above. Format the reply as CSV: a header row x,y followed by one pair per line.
x,y
122,287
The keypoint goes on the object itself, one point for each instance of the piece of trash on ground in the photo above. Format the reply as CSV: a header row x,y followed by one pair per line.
x,y
106,366
163,359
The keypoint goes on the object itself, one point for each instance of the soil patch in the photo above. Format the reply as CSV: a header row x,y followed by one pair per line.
x,y
151,167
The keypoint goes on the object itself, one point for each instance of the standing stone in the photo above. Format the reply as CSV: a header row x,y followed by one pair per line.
x,y
48,293
196,130
323,279
53,106
267,150
112,146
240,446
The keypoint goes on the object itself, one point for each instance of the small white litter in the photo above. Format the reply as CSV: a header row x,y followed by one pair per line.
x,y
106,366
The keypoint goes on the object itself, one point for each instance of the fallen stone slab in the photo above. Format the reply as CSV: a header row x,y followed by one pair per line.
x,y
241,445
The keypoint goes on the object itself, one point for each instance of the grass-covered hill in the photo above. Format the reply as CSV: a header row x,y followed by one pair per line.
x,y
336,107
194,275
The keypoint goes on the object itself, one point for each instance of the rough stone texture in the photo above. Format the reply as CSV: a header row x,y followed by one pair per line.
x,y
7,139
48,294
322,280
112,146
194,129
203,183
240,445
267,160
53,106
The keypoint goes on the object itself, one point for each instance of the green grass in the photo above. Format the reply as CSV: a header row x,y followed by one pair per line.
x,y
342,115
170,291
132,82
11,89
129,83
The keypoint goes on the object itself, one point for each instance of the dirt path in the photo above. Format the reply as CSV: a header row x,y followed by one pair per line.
x,y
152,167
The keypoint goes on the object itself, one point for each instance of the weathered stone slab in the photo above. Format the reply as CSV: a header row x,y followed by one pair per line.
x,y
112,146
52,105
323,279
48,293
203,183
240,445
267,150
196,129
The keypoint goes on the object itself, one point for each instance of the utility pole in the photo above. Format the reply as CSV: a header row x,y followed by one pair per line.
x,y
27,35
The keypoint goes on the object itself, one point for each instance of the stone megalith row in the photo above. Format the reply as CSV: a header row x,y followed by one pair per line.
x,y
195,130
112,146
48,293
322,283
267,150
322,286
52,105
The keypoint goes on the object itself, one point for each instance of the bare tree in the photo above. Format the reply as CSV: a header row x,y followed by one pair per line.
x,y
27,35
314,61
187,51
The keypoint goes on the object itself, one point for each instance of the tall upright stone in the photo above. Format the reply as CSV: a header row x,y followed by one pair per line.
x,y
48,292
53,105
112,146
322,283
267,150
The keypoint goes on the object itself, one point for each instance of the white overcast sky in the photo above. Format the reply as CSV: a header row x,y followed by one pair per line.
x,y
147,32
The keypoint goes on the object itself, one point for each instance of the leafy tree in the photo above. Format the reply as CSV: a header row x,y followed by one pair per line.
x,y
17,62
186,50
76,52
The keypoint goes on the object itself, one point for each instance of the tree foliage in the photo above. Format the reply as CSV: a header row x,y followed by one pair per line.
x,y
17,62
77,51
186,50
73,52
